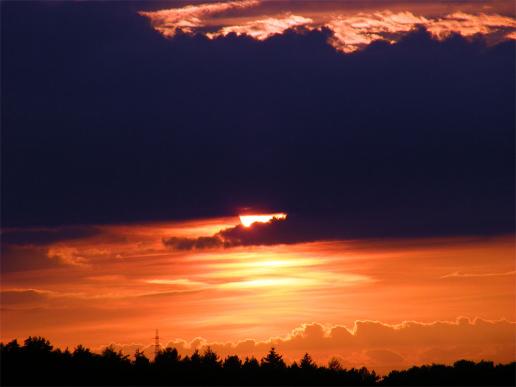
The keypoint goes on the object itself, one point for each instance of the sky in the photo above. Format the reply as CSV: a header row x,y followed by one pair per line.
x,y
373,140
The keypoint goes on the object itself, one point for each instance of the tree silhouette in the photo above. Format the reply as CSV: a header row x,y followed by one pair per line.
x,y
210,360
166,365
37,345
251,363
232,362
334,364
140,360
232,370
195,359
168,357
141,368
38,363
114,365
307,363
251,370
273,360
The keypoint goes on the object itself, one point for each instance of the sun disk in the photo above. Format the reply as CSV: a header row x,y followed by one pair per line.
x,y
248,220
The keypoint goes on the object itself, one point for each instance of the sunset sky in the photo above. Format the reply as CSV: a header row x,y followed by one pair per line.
x,y
329,177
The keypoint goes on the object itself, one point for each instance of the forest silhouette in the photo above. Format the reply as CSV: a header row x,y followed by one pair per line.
x,y
36,362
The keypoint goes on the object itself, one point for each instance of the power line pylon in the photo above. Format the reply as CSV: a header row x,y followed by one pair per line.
x,y
156,344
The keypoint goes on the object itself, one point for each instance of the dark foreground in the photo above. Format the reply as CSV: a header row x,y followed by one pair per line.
x,y
36,363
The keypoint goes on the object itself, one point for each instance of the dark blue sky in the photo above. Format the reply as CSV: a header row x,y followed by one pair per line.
x,y
106,121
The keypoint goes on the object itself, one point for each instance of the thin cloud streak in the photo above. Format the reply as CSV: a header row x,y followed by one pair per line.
x,y
190,17
458,274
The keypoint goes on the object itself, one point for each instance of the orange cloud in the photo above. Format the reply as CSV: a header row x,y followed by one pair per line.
x,y
67,255
469,25
374,344
352,30
457,274
262,29
190,17
355,31
132,283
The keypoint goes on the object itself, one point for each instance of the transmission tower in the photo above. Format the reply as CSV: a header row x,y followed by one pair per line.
x,y
156,344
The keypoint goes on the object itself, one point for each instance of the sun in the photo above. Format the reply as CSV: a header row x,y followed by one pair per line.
x,y
248,220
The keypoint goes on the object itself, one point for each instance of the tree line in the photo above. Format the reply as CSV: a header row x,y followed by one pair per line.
x,y
36,362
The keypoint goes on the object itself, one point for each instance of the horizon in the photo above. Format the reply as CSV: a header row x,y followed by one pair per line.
x,y
121,352
168,367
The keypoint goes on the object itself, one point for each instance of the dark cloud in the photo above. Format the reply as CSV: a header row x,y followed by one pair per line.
x,y
273,232
42,248
14,258
104,120
24,296
301,229
41,237
178,243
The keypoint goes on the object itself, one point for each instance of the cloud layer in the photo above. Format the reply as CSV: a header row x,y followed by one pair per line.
x,y
191,17
374,344
115,284
350,31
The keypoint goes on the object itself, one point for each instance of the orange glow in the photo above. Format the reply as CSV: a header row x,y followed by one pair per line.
x,y
262,29
352,29
333,298
186,19
248,220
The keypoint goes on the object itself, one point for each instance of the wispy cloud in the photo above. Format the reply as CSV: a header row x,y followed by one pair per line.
x,y
458,274
470,24
356,31
67,255
262,29
351,32
176,281
191,17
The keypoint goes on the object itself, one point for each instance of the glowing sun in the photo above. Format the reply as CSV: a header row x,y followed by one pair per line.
x,y
248,220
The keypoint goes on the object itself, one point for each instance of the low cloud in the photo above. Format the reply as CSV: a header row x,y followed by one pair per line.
x,y
375,344
47,236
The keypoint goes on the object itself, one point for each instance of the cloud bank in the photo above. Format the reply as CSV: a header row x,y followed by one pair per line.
x,y
350,31
375,344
